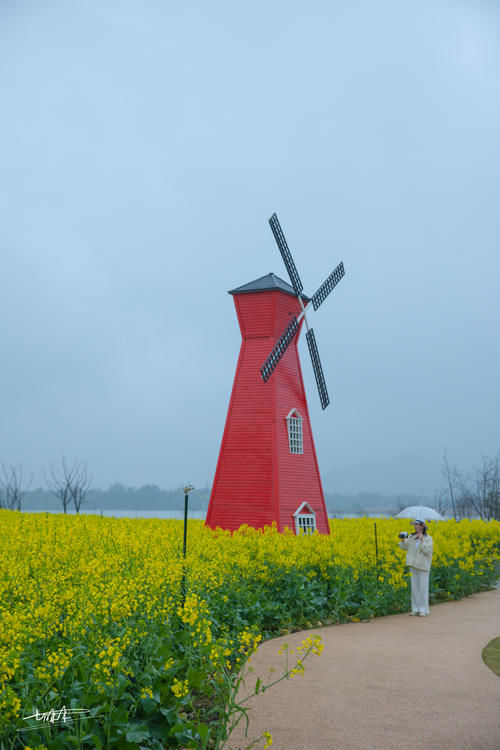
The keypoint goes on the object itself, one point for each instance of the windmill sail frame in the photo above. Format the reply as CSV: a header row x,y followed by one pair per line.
x,y
291,330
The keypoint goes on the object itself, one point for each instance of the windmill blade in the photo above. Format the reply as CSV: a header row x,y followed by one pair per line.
x,y
280,348
286,254
318,370
327,286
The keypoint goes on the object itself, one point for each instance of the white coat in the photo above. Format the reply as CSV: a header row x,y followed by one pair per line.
x,y
418,557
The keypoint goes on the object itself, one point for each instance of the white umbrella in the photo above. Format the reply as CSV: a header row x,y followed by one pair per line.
x,y
420,511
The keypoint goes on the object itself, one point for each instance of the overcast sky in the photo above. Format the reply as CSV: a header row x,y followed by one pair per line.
x,y
144,146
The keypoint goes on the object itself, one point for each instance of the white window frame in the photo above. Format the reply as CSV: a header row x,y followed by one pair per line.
x,y
294,423
305,519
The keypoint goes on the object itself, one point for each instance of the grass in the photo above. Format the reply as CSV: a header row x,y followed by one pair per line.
x,y
491,655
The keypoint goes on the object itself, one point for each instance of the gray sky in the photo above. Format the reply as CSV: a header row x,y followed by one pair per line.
x,y
144,147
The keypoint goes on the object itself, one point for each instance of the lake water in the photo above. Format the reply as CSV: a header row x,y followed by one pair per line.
x,y
120,513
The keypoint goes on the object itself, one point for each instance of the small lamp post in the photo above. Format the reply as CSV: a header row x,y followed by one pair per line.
x,y
187,490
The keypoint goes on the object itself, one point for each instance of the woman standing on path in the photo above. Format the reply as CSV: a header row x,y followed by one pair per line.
x,y
418,548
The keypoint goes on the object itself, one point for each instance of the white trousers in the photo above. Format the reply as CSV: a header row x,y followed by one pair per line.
x,y
419,591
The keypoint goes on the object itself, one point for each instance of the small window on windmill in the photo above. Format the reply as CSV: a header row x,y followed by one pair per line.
x,y
294,427
305,519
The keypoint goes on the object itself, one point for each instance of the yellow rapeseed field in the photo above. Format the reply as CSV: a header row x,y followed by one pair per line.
x,y
105,613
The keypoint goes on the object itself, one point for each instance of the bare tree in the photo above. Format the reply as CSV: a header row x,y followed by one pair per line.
x,y
12,487
80,486
485,495
59,483
477,494
448,474
70,484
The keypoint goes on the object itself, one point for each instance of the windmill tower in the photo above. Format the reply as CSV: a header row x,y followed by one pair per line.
x,y
267,469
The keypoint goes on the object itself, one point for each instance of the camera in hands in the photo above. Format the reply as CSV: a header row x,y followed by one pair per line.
x,y
403,535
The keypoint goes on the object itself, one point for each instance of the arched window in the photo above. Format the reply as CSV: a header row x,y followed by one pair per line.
x,y
305,519
294,428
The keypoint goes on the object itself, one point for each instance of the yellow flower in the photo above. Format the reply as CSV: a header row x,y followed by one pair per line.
x,y
180,688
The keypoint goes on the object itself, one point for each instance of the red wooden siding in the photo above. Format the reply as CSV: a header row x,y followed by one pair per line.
x,y
258,480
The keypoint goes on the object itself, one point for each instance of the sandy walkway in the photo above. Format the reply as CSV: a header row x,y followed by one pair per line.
x,y
395,682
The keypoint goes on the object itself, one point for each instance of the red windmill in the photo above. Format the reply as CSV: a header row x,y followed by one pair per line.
x,y
267,469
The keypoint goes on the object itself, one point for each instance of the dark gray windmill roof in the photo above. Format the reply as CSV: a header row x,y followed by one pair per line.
x,y
268,283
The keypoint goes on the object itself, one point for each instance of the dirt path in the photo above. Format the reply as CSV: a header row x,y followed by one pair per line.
x,y
395,682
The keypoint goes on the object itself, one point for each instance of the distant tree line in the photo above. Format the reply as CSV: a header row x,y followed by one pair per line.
x,y
366,503
69,486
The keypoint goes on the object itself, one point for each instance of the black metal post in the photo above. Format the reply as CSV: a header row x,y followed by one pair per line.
x,y
187,490
186,498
